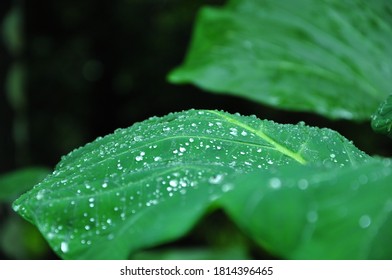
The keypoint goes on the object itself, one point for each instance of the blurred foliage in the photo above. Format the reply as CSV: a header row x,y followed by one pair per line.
x,y
13,184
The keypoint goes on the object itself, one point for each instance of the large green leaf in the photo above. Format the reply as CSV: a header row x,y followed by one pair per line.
x,y
150,183
317,213
329,57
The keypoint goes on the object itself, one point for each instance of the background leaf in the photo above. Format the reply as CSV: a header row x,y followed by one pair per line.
x,y
382,119
150,183
303,55
303,212
15,183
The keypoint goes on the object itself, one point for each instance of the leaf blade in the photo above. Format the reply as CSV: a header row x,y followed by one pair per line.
x,y
150,183
305,59
324,207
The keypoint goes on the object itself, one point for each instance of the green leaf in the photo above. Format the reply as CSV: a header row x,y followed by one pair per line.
x,y
329,57
317,213
150,183
15,183
382,119
21,240
12,30
230,253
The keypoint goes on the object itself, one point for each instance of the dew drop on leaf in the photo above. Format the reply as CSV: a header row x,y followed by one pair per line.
x,y
303,184
173,183
216,179
157,158
275,183
365,221
312,216
64,247
227,187
40,195
233,131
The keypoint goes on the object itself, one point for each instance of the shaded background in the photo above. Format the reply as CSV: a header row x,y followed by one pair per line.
x,y
71,71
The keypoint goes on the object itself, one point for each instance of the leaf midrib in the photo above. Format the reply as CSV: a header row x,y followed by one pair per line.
x,y
258,132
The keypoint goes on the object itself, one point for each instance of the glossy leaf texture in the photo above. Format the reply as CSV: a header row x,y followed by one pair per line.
x,y
328,57
382,119
150,183
305,212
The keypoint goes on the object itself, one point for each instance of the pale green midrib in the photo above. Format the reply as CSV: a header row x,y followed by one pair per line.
x,y
294,155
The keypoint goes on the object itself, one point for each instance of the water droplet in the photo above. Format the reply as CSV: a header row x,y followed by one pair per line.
x,y
182,149
64,247
227,187
191,140
216,179
312,216
119,167
233,131
139,158
363,179
303,184
104,185
365,221
332,155
270,162
183,191
388,205
40,195
173,183
275,183
244,133
157,158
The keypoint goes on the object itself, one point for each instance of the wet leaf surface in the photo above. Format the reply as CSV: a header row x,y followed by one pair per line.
x,y
150,183
331,57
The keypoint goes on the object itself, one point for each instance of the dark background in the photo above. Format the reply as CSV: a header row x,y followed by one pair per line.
x,y
85,68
